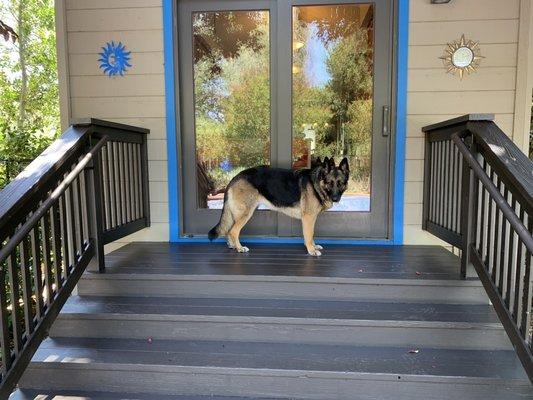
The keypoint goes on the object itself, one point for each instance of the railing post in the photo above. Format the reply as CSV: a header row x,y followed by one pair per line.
x,y
468,213
145,182
95,211
427,182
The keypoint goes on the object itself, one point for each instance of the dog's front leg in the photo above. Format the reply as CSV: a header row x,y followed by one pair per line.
x,y
308,227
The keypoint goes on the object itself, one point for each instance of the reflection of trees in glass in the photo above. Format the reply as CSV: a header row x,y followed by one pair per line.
x,y
232,91
340,111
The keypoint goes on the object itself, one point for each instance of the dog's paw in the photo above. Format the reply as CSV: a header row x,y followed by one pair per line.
x,y
243,249
314,252
318,247
230,245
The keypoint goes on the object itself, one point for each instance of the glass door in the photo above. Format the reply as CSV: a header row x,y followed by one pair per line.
x,y
225,53
285,83
340,97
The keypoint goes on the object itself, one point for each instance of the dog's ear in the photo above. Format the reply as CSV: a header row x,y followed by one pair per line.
x,y
316,162
331,163
343,166
325,164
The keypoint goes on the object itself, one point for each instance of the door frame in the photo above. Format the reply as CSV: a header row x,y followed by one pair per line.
x,y
398,133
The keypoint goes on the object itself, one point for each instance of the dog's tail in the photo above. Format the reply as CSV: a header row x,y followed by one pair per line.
x,y
225,223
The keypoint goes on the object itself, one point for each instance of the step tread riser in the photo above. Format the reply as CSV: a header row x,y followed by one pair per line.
x,y
421,335
271,383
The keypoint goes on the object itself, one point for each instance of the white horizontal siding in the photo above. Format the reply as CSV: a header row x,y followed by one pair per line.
x,y
137,98
148,63
434,95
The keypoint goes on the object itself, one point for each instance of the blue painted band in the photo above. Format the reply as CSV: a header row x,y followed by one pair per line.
x,y
401,114
170,110
401,118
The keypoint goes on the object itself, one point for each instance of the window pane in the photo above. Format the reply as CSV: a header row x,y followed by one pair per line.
x,y
332,92
232,97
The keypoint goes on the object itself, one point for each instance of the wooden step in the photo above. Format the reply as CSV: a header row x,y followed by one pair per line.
x,y
287,321
289,287
274,370
94,395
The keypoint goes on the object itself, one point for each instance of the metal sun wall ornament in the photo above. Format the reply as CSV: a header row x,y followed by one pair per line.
x,y
462,56
114,59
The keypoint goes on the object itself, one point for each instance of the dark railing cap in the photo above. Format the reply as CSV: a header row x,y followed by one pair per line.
x,y
459,120
108,124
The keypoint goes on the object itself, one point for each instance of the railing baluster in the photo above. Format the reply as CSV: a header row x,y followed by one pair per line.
x,y
57,235
5,337
37,273
48,277
525,323
68,259
71,227
116,185
127,174
25,272
14,302
518,274
104,184
510,263
496,241
79,210
112,195
503,249
490,246
135,182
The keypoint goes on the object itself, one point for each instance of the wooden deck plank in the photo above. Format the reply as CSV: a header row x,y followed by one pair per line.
x,y
497,364
343,310
415,262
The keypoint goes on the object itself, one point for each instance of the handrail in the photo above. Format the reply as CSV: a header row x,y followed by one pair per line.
x,y
55,218
49,202
478,196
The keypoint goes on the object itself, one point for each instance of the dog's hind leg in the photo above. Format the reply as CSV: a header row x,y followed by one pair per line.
x,y
242,217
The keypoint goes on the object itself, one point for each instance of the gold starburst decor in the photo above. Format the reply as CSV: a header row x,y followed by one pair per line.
x,y
462,57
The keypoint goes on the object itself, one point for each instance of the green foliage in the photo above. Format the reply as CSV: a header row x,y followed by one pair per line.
x,y
29,101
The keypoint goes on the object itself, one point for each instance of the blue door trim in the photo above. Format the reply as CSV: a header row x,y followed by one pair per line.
x,y
169,38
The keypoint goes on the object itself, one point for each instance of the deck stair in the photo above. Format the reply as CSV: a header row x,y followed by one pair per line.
x,y
197,321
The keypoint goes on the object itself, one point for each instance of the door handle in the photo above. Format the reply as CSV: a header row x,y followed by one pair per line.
x,y
385,130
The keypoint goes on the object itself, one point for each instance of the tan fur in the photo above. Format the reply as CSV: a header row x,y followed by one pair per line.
x,y
242,200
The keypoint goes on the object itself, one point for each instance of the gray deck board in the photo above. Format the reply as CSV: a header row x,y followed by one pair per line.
x,y
281,308
278,356
401,262
28,394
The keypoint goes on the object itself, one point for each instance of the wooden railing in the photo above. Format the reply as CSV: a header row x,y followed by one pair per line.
x,y
54,222
478,196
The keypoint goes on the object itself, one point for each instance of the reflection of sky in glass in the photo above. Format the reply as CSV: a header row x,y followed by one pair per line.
x,y
315,68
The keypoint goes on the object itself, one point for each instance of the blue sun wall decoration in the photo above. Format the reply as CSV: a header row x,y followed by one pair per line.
x,y
114,59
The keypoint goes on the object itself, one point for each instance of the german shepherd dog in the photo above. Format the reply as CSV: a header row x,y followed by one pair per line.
x,y
301,194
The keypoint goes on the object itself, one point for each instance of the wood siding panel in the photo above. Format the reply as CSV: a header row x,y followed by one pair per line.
x,y
464,10
413,192
128,19
128,85
493,31
486,78
104,4
496,55
159,212
118,107
142,64
414,148
157,171
136,41
461,102
157,149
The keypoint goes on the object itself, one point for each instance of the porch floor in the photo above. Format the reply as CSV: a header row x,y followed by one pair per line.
x,y
337,261
382,322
